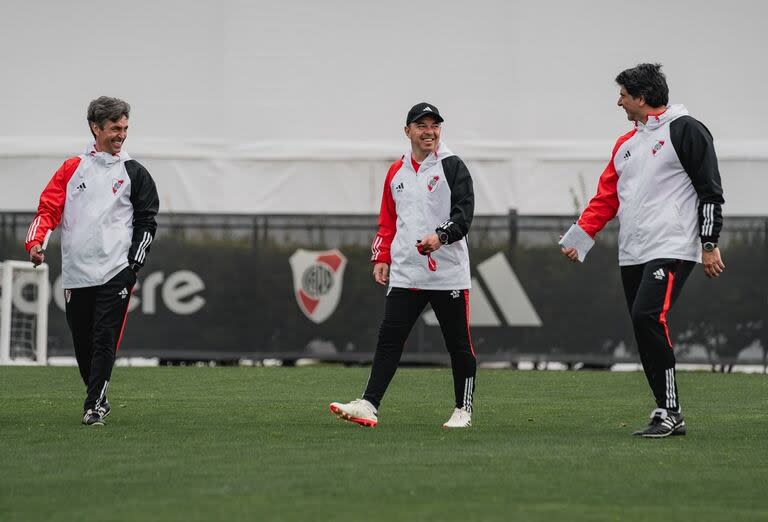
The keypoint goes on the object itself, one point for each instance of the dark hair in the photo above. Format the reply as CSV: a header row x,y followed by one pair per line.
x,y
105,108
646,80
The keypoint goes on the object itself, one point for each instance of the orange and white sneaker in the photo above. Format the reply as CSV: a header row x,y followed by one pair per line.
x,y
358,411
461,418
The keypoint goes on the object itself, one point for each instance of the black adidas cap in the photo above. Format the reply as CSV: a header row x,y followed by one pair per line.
x,y
423,109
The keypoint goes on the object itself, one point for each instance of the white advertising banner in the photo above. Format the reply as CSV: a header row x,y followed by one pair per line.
x,y
555,178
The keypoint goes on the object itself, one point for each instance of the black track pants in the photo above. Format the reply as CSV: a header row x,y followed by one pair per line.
x,y
96,316
651,289
402,310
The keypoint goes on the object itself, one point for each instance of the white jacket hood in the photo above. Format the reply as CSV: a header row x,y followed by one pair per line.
x,y
105,157
440,154
654,122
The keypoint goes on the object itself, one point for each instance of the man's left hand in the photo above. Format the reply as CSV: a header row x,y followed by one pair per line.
x,y
428,244
36,254
713,264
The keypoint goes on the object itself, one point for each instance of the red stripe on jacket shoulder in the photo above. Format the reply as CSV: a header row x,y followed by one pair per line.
x,y
605,204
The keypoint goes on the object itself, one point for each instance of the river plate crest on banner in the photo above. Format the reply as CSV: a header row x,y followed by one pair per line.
x,y
318,277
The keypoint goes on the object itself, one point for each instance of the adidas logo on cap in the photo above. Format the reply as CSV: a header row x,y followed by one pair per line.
x,y
422,109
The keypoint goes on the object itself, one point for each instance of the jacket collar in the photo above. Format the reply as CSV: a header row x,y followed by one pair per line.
x,y
440,154
655,121
105,157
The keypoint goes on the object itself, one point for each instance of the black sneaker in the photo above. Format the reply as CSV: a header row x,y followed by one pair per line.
x,y
93,418
104,409
663,424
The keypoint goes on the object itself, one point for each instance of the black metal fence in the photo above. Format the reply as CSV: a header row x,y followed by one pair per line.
x,y
222,287
343,229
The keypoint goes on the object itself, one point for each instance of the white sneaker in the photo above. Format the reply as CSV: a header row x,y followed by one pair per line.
x,y
461,418
358,411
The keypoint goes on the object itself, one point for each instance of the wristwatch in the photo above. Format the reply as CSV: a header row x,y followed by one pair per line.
x,y
442,235
708,246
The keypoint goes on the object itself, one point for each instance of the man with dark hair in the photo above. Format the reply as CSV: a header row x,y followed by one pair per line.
x,y
664,185
645,81
106,203
421,252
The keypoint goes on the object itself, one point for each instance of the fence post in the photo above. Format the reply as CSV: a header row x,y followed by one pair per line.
x,y
766,231
513,230
255,234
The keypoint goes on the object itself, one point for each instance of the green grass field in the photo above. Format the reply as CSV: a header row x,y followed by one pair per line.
x,y
259,444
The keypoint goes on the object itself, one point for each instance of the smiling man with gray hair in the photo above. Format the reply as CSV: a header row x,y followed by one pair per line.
x,y
106,203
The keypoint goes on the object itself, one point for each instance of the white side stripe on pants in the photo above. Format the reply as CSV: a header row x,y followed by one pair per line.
x,y
102,395
362,394
469,384
670,385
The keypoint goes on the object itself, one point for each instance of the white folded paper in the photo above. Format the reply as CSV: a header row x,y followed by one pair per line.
x,y
578,239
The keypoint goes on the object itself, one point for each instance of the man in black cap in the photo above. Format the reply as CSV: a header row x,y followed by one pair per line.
x,y
421,253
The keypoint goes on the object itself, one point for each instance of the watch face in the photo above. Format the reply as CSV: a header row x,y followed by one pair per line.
x,y
709,247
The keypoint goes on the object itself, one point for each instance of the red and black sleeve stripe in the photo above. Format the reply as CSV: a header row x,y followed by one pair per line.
x,y
51,206
695,149
462,199
146,204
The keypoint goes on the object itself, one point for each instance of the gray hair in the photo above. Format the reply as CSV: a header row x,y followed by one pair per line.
x,y
105,108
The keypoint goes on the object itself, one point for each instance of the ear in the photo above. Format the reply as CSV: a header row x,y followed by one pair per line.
x,y
407,130
94,128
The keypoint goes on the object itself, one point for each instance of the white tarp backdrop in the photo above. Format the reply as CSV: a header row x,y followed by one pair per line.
x,y
298,106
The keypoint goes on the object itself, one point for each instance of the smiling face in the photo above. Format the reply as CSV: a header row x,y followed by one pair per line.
x,y
424,134
635,108
111,138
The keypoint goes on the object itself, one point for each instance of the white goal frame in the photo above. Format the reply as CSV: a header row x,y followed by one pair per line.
x,y
9,290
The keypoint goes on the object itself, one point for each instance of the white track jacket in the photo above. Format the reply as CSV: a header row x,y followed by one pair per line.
x,y
437,197
664,185
106,205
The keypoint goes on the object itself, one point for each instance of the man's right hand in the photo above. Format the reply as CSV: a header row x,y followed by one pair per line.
x,y
571,253
36,254
381,273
